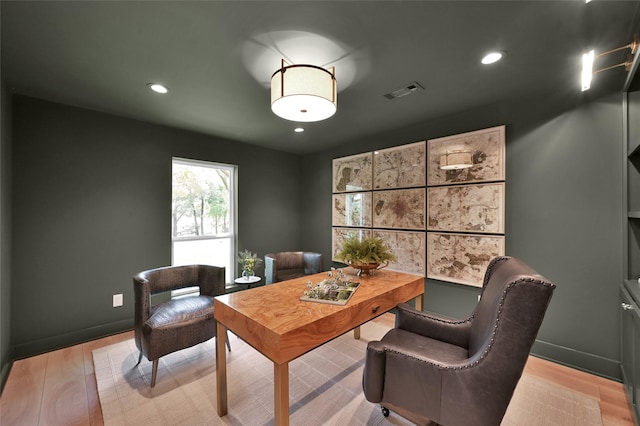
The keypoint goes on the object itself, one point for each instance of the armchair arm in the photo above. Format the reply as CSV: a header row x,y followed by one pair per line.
x,y
434,326
211,280
142,307
396,377
142,297
270,269
373,377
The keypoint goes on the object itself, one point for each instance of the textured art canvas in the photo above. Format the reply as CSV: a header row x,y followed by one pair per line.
x,y
352,209
466,208
400,167
409,247
399,209
461,258
353,173
487,149
446,223
339,235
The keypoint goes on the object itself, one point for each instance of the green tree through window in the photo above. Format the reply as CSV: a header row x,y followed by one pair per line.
x,y
202,214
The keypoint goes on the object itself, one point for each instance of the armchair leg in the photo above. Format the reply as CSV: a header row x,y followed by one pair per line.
x,y
139,358
154,372
228,344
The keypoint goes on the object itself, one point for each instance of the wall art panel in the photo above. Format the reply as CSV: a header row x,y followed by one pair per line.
x,y
339,235
461,258
466,208
352,209
487,148
409,247
353,173
400,167
399,209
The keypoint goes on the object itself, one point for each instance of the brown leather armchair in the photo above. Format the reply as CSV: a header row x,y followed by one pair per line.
x,y
177,323
290,264
460,373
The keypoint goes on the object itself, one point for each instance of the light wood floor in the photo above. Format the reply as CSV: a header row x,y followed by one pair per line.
x,y
59,387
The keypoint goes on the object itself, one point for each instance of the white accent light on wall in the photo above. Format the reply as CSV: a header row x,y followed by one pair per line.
x,y
589,59
587,70
303,93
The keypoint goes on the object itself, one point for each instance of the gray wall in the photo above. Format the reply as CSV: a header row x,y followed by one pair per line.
x,y
5,232
564,192
92,206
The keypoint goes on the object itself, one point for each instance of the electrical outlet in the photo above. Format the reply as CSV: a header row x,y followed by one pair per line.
x,y
117,300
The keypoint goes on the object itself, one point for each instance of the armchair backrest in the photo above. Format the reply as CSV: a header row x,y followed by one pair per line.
x,y
285,265
210,279
515,295
288,259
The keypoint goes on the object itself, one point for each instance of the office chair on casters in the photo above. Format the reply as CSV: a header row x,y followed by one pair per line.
x,y
459,373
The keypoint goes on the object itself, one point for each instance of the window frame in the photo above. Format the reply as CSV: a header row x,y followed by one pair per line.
x,y
233,216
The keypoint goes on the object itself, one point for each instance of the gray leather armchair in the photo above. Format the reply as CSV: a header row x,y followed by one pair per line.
x,y
177,323
290,264
460,373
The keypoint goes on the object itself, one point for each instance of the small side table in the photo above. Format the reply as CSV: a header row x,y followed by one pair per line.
x,y
248,281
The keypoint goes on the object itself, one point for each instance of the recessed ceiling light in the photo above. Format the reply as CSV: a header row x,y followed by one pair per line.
x,y
158,88
492,57
298,130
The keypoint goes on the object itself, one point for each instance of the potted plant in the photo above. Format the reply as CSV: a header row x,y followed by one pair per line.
x,y
365,254
249,262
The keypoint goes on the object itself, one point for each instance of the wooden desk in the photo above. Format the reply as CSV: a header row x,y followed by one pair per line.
x,y
279,325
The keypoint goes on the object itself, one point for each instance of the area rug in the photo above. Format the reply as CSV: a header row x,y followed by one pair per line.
x,y
325,389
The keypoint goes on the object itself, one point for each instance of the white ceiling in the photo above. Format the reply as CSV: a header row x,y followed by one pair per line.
x,y
217,58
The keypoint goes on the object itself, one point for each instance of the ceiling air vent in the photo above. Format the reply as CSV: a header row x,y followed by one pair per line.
x,y
404,90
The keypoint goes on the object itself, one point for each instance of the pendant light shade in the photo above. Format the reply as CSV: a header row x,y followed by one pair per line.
x,y
303,93
456,160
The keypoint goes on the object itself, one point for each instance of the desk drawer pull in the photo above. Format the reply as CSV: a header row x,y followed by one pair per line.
x,y
375,308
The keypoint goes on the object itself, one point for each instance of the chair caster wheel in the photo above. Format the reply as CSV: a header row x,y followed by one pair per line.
x,y
385,411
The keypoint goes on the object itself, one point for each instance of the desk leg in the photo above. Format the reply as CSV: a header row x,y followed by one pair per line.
x,y
281,393
420,302
221,369
356,333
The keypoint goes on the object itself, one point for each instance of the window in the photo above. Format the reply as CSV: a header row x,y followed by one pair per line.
x,y
203,214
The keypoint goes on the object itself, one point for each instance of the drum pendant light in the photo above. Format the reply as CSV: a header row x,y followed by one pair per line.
x,y
303,93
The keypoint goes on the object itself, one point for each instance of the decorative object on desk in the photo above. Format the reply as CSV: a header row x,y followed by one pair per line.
x,y
366,254
249,262
333,289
